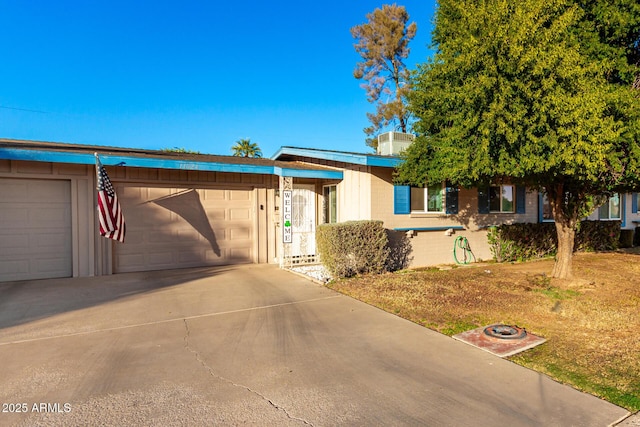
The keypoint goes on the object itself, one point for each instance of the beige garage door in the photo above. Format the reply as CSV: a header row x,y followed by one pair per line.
x,y
180,227
35,229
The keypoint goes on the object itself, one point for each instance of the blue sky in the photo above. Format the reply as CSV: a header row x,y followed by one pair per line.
x,y
193,74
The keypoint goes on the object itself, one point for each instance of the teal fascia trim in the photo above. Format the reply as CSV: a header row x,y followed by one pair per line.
x,y
385,162
443,228
146,162
309,173
338,156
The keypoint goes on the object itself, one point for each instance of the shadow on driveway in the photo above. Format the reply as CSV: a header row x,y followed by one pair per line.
x,y
26,301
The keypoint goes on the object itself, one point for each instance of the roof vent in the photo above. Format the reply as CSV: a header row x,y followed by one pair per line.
x,y
393,143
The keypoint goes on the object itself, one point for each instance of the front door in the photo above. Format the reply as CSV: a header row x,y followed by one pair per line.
x,y
303,222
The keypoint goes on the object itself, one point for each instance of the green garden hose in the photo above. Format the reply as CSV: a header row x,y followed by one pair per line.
x,y
461,243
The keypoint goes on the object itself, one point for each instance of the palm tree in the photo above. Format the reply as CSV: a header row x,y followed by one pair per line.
x,y
245,148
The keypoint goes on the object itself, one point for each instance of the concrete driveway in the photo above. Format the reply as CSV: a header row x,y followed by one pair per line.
x,y
251,345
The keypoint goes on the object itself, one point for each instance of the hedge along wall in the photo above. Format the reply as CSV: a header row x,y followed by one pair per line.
x,y
519,242
353,247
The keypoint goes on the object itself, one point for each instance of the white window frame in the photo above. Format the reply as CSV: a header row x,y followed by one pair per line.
x,y
329,209
617,197
425,207
502,188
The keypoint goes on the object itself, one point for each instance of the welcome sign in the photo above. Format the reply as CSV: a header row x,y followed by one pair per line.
x,y
286,215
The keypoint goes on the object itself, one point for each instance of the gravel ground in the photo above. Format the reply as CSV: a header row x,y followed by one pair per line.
x,y
317,272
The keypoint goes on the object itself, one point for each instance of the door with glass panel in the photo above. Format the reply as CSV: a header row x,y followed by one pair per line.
x,y
303,221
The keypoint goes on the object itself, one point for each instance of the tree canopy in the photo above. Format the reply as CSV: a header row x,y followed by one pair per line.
x,y
383,44
180,150
538,93
245,148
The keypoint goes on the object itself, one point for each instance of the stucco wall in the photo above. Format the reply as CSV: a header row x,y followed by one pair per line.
x,y
435,247
631,217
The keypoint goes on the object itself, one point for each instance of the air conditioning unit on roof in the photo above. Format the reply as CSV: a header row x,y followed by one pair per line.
x,y
393,143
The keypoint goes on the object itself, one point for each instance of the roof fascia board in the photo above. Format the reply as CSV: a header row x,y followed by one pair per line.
x,y
143,162
386,162
309,173
353,158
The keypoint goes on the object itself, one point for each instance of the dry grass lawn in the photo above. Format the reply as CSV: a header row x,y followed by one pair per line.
x,y
592,323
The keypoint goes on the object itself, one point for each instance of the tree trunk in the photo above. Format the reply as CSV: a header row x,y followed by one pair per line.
x,y
565,214
563,268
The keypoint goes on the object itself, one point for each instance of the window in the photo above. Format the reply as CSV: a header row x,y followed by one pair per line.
x,y
330,204
546,214
611,209
501,198
439,198
429,199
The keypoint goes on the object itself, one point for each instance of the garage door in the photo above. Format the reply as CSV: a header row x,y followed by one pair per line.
x,y
35,229
177,228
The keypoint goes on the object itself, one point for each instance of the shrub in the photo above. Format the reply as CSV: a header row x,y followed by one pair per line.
x,y
519,242
636,237
597,236
353,247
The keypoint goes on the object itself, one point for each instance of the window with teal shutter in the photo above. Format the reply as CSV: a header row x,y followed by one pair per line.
x,y
634,203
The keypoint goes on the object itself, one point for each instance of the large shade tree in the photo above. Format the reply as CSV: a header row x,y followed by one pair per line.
x,y
383,45
536,92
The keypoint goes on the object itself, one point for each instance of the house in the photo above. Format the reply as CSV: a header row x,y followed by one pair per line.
x,y
431,217
181,210
190,210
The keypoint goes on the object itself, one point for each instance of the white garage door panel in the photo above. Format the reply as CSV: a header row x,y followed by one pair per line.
x,y
176,228
35,229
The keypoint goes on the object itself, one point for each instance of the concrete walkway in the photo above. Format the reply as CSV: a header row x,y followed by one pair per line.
x,y
251,345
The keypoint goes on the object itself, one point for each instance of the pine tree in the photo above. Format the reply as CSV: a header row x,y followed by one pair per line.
x,y
383,44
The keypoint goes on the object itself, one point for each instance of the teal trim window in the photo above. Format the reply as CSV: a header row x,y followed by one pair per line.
x,y
439,198
502,198
330,204
429,199
612,209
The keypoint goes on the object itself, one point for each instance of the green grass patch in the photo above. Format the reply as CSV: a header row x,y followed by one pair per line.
x,y
558,294
566,372
456,327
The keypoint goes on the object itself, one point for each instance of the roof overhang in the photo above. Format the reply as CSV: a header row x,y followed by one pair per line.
x,y
83,158
339,156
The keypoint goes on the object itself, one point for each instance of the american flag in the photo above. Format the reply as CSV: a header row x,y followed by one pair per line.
x,y
109,211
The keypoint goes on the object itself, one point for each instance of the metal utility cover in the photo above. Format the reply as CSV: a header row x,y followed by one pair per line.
x,y
499,347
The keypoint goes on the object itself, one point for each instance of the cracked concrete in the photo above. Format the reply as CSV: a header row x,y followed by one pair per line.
x,y
213,374
251,345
